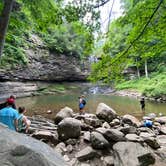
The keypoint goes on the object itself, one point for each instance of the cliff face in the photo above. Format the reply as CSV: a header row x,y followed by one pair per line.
x,y
45,66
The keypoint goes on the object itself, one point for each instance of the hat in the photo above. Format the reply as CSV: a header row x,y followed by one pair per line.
x,y
10,100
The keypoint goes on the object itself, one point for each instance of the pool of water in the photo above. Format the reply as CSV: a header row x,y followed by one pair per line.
x,y
122,105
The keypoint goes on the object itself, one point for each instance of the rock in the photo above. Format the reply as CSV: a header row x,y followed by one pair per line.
x,y
47,136
161,120
69,148
132,154
115,122
87,136
69,128
152,142
18,149
98,141
86,154
133,138
93,122
163,130
106,113
131,120
44,65
108,161
161,152
162,140
146,134
128,130
66,158
61,148
114,135
106,125
71,141
101,130
146,130
18,88
63,113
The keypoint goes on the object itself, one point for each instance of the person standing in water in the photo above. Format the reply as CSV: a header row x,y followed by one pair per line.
x,y
82,103
142,104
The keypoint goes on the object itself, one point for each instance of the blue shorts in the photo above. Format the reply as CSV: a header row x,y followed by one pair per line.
x,y
81,106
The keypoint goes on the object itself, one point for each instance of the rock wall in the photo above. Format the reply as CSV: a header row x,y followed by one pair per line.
x,y
45,66
17,88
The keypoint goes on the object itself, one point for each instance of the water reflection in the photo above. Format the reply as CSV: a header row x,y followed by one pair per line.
x,y
123,105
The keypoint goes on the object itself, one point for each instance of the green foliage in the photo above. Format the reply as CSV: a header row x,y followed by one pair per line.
x,y
70,39
152,87
60,26
129,43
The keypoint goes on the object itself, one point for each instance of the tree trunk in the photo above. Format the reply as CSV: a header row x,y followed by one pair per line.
x,y
138,71
4,20
146,68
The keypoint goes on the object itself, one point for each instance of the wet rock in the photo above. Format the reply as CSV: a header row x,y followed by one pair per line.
x,y
69,128
63,113
105,112
132,154
98,141
86,154
131,120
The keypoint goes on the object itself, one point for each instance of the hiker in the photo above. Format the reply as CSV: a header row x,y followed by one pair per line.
x,y
142,103
9,115
23,122
82,103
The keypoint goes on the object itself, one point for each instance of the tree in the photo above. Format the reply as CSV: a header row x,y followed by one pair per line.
x,y
4,20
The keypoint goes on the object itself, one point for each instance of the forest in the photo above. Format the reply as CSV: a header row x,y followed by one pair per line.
x,y
136,40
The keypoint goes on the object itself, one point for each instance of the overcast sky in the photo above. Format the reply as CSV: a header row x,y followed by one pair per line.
x,y
105,10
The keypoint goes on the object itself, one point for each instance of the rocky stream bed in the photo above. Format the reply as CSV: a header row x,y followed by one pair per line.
x,y
104,138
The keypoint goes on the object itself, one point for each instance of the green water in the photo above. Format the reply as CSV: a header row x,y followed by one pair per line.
x,y
122,105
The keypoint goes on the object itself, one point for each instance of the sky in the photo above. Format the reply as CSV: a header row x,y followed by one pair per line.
x,y
105,10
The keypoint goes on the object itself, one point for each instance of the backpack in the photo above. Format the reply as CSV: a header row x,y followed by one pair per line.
x,y
83,101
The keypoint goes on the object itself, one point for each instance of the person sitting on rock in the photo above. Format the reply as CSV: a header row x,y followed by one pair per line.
x,y
9,115
23,122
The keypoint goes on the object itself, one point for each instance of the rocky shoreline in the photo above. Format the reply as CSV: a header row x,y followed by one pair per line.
x,y
136,94
104,138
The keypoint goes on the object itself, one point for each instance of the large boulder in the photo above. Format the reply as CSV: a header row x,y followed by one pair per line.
x,y
105,112
131,120
65,112
132,154
98,141
69,128
18,149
